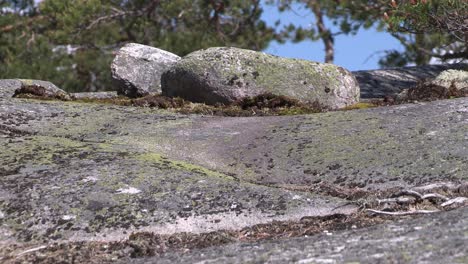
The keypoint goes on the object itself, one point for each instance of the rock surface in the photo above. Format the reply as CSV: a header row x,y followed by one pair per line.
x,y
13,87
439,238
380,83
42,89
94,95
8,87
137,69
224,75
448,84
89,172
458,78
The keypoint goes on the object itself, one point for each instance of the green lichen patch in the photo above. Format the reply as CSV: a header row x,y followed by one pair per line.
x,y
155,158
361,105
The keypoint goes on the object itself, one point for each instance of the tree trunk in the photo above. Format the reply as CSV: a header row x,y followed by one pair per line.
x,y
421,58
324,32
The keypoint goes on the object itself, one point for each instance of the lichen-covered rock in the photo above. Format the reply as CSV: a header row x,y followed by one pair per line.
x,y
8,87
390,82
457,78
41,89
74,172
448,84
224,75
438,238
137,69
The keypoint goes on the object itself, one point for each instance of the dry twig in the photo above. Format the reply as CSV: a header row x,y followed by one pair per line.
x,y
403,213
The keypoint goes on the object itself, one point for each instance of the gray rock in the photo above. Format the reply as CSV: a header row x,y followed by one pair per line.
x,y
101,170
8,87
390,82
85,172
438,238
459,78
44,89
448,84
95,95
224,75
137,69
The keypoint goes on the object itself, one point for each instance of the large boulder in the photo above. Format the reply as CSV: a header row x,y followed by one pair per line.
x,y
224,75
137,69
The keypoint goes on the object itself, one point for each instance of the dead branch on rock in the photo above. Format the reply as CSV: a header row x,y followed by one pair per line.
x,y
420,196
31,250
449,186
409,198
457,200
396,200
435,195
411,193
415,212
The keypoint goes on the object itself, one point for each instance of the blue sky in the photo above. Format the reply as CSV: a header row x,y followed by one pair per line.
x,y
358,52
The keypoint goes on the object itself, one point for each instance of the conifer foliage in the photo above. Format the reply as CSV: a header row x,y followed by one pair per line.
x,y
71,42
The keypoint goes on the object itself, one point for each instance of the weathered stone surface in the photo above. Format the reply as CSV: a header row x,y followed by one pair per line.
x,y
91,168
71,171
137,69
12,87
94,95
43,89
438,238
224,75
448,84
8,87
380,83
457,78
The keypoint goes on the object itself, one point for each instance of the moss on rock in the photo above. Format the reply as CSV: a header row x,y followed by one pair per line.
x,y
224,75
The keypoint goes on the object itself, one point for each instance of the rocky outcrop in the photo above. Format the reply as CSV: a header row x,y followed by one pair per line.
x,y
439,238
224,75
137,69
123,183
38,88
390,82
43,89
448,84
